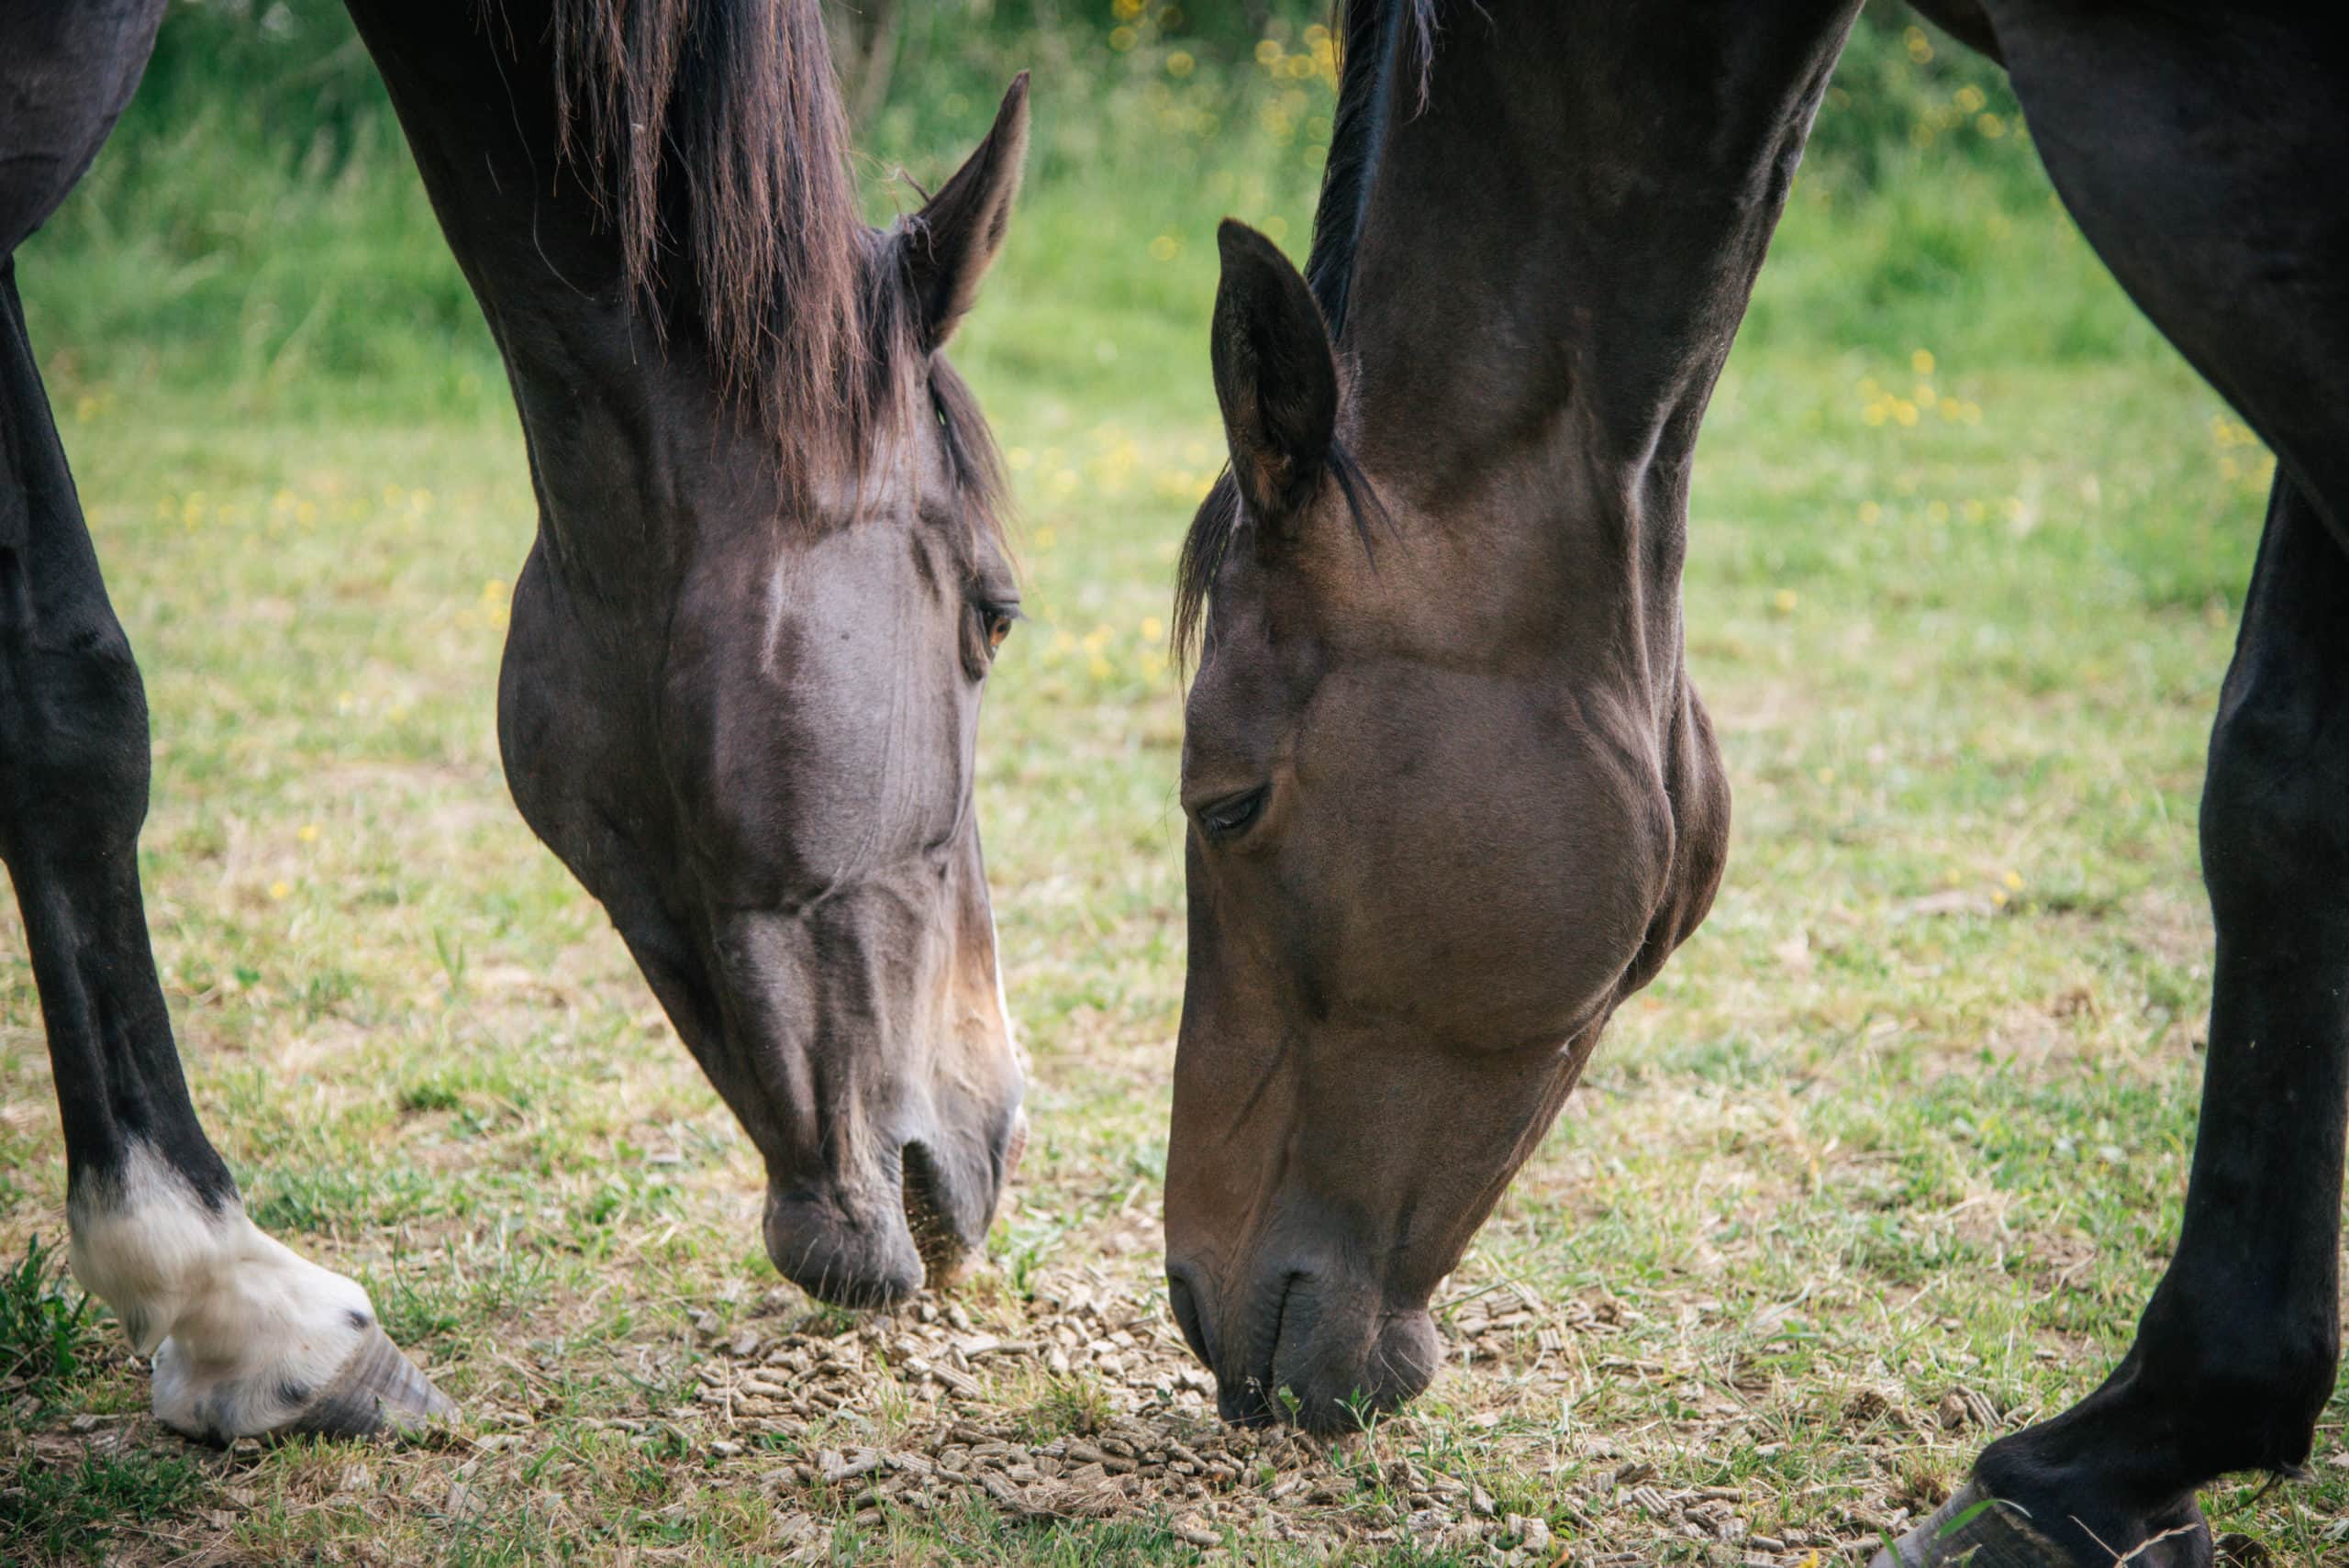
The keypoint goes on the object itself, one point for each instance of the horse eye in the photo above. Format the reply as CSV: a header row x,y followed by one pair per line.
x,y
994,623
1234,814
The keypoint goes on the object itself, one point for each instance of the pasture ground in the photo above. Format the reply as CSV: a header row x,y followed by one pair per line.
x,y
1884,1163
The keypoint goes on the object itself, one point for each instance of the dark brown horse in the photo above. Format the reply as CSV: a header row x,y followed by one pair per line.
x,y
741,682
1453,797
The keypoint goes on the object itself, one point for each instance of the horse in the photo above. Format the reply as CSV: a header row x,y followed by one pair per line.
x,y
741,682
1450,795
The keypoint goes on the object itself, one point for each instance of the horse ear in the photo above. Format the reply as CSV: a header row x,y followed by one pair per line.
x,y
952,241
1274,374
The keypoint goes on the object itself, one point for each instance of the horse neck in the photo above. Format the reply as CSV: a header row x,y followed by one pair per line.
x,y
1557,244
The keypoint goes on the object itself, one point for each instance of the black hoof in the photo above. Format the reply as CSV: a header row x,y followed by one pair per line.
x,y
1978,1530
1974,1530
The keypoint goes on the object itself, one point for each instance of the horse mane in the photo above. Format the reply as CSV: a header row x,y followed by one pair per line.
x,y
714,133
1372,34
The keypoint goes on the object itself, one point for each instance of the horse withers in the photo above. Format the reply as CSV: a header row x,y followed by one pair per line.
x,y
1453,797
742,675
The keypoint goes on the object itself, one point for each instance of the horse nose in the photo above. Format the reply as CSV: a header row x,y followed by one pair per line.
x,y
1320,1349
840,1251
868,1233
1340,1390
1341,1377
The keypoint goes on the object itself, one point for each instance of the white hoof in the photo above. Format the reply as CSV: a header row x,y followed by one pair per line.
x,y
248,1340
374,1391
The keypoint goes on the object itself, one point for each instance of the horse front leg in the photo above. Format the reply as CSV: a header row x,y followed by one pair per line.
x,y
247,1337
2235,1355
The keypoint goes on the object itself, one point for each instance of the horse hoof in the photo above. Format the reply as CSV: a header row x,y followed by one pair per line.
x,y
1977,1531
373,1391
378,1392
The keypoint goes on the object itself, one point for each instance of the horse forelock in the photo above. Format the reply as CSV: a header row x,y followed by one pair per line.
x,y
714,133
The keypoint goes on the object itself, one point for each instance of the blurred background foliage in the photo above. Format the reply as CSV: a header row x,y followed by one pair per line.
x,y
255,230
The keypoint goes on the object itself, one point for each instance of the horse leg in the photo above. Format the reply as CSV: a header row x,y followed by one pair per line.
x,y
2234,1357
2236,1354
2202,158
247,1337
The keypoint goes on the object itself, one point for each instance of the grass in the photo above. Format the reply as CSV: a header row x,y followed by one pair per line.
x,y
47,1326
1894,1146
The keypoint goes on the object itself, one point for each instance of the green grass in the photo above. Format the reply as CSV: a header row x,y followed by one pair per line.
x,y
46,1327
1907,1118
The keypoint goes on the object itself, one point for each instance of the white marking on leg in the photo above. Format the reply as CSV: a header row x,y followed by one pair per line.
x,y
242,1330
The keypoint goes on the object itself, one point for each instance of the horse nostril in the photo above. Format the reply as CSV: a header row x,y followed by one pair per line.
x,y
1186,1306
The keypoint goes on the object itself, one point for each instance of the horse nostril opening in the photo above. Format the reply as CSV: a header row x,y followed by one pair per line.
x,y
1186,1306
927,1217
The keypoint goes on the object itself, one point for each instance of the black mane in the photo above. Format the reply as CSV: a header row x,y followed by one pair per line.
x,y
1370,33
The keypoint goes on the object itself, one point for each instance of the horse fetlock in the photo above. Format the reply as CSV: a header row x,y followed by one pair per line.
x,y
2255,1411
248,1337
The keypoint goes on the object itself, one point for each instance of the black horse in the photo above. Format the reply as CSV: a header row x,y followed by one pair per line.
x,y
1454,798
741,682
